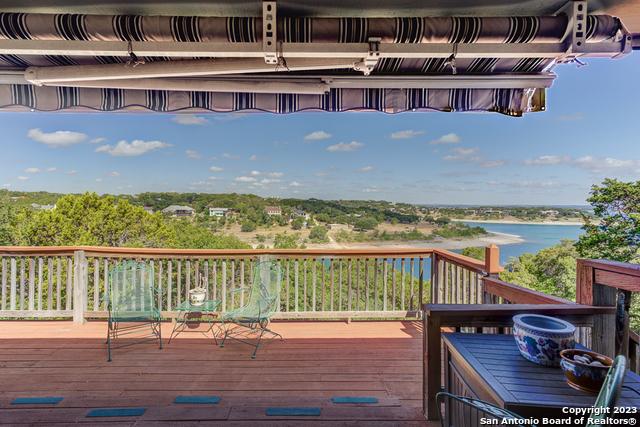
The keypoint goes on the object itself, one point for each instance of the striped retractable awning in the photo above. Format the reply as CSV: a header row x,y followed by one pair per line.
x,y
245,30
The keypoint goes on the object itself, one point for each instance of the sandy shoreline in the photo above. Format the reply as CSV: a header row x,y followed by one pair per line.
x,y
506,221
491,238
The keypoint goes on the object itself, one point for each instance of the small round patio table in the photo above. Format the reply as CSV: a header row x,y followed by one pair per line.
x,y
189,314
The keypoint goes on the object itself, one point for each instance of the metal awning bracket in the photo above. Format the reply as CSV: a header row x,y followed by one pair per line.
x,y
575,36
270,32
368,64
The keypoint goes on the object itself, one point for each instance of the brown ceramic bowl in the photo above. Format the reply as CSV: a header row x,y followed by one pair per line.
x,y
583,376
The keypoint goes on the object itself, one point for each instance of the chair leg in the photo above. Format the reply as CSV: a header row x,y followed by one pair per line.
x,y
160,333
108,346
253,356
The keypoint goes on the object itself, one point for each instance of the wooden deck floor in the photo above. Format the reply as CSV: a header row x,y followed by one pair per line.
x,y
318,360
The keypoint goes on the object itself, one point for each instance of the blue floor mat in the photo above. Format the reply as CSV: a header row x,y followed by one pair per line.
x,y
293,412
354,399
197,399
116,412
48,400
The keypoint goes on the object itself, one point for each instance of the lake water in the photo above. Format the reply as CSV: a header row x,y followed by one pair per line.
x,y
536,237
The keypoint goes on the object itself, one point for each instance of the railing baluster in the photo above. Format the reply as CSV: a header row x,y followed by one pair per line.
x,y
96,283
339,284
214,273
13,291
159,287
411,282
105,281
349,287
40,272
32,283
314,277
420,284
402,286
3,302
375,283
223,291
394,301
324,282
242,283
357,302
170,285
305,301
295,280
21,304
187,281
331,274
69,293
385,268
179,282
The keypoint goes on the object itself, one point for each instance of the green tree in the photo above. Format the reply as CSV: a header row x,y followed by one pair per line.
x,y
318,234
365,223
248,227
297,223
474,252
286,241
552,270
616,235
90,219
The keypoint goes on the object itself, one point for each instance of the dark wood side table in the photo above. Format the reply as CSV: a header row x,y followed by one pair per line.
x,y
490,368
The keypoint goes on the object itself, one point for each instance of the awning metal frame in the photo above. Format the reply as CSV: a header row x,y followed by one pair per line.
x,y
273,55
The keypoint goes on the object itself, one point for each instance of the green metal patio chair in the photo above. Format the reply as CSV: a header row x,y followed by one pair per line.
x,y
131,303
462,411
609,392
252,320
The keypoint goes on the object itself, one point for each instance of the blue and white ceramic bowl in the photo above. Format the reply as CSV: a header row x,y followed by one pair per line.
x,y
540,338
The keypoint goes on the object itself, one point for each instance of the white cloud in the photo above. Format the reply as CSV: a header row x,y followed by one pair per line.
x,y
98,140
114,173
23,178
72,172
189,120
32,170
5,185
370,190
318,135
365,169
245,179
98,179
216,169
213,178
463,154
270,180
255,173
230,156
60,138
193,154
547,160
343,146
275,174
131,149
492,163
450,138
52,169
253,158
589,163
406,134
295,184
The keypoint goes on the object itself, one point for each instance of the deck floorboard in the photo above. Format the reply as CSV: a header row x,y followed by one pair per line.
x,y
316,361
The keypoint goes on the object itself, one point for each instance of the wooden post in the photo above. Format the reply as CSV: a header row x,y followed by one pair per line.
x,y
431,366
492,259
590,293
622,323
79,286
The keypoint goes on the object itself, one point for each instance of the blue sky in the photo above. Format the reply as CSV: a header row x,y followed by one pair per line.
x,y
589,131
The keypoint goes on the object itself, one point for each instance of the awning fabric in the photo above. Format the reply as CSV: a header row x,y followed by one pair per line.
x,y
508,30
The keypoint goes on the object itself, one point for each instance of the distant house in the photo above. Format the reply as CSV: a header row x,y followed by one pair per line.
x,y
148,209
273,210
179,211
43,207
219,212
299,213
550,212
